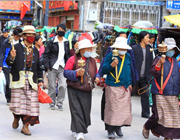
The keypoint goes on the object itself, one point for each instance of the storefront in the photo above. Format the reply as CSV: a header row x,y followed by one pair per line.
x,y
65,12
125,13
11,10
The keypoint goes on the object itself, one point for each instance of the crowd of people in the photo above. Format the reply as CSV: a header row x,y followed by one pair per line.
x,y
75,71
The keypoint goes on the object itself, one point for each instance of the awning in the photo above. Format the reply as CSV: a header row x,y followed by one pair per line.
x,y
173,19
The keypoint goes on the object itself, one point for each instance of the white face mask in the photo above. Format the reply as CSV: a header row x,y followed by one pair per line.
x,y
122,52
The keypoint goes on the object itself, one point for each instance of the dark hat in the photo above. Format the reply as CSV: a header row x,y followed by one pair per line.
x,y
5,30
62,26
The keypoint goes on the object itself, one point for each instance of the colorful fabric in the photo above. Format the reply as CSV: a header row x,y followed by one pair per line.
x,y
41,50
29,59
168,111
85,36
117,106
24,101
70,37
158,129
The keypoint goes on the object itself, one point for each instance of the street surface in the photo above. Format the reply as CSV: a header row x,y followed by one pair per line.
x,y
55,125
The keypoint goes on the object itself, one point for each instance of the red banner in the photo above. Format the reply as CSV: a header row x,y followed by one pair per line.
x,y
24,9
13,5
65,4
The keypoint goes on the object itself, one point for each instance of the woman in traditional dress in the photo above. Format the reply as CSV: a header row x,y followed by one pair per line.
x,y
165,120
117,91
79,93
25,74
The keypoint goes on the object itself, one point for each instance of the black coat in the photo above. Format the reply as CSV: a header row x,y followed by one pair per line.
x,y
19,63
51,52
138,53
2,38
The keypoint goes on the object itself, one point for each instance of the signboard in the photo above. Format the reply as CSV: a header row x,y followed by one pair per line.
x,y
173,5
13,5
63,5
154,2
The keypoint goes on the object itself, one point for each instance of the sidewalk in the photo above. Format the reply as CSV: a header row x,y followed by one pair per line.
x,y
55,125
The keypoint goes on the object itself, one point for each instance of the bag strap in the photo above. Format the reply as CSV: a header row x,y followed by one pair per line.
x,y
166,81
87,67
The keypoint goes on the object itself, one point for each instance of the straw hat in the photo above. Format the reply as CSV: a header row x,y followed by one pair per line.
x,y
85,43
121,43
29,29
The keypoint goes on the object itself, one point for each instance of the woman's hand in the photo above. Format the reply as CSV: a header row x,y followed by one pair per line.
x,y
97,80
80,72
114,63
130,88
161,61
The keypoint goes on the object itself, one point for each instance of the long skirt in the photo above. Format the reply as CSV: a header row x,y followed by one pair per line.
x,y
80,108
25,104
117,106
165,120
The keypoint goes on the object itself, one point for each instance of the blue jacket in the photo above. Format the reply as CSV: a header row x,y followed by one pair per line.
x,y
135,75
4,51
172,87
125,77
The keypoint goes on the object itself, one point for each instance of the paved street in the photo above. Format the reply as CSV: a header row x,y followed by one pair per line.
x,y
54,124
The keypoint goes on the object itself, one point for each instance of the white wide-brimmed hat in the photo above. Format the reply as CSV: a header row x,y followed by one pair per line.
x,y
29,29
171,43
85,43
121,43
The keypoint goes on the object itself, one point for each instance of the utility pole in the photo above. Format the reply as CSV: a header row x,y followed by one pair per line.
x,y
46,14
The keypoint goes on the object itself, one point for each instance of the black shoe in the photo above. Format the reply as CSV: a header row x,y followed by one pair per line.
x,y
119,132
111,135
60,108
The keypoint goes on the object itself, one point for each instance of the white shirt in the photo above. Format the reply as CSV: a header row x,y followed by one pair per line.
x,y
60,61
15,42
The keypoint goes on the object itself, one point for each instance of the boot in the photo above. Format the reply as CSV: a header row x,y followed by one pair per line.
x,y
25,130
111,135
145,132
167,139
15,123
119,132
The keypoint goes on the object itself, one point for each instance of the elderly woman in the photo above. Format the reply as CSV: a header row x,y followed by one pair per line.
x,y
165,120
117,91
80,93
25,78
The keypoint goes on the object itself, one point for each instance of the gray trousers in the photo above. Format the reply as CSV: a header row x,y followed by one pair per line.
x,y
52,75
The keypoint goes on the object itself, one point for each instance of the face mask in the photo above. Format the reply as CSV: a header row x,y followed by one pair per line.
x,y
170,53
94,54
87,54
61,33
122,52
30,39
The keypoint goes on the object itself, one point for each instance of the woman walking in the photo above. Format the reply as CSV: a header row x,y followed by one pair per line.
x,y
80,92
117,91
165,120
25,74
39,45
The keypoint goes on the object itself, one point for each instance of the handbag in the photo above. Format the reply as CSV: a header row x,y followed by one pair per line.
x,y
43,97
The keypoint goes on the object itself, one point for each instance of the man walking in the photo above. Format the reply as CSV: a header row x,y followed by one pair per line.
x,y
4,51
4,36
55,56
